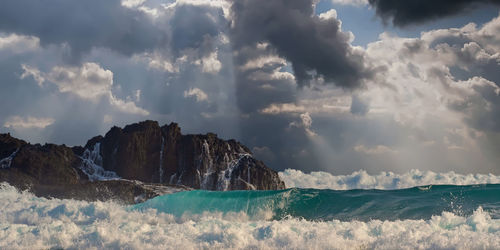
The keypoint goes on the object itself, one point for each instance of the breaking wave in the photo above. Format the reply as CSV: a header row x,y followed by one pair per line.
x,y
38,223
324,205
385,180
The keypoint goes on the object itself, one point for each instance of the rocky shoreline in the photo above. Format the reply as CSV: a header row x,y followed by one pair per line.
x,y
133,164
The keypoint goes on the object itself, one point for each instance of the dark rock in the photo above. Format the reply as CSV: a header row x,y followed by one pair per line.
x,y
133,152
9,145
48,164
78,150
121,191
146,152
142,151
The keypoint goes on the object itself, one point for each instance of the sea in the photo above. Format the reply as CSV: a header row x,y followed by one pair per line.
x,y
318,210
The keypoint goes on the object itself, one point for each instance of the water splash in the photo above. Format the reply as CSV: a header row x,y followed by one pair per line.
x,y
385,180
224,178
325,205
205,168
7,161
28,222
91,165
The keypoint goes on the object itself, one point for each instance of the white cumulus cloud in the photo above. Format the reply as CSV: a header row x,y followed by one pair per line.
x,y
18,122
18,43
90,82
197,93
351,2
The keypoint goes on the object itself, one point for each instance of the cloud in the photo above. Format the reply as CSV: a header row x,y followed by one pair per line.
x,y
82,25
316,47
33,72
330,14
270,74
90,82
376,150
351,2
283,108
305,123
435,107
359,106
260,62
29,122
197,93
461,64
132,3
126,106
403,13
329,101
263,153
18,43
199,56
210,63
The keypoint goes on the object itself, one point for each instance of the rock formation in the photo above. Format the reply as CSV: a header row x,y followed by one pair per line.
x,y
143,152
150,153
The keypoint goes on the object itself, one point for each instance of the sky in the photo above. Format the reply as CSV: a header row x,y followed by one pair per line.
x,y
329,85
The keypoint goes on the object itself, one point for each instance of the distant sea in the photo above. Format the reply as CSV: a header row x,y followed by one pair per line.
x,y
418,209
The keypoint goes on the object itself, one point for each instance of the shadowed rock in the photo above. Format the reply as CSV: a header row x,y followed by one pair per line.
x,y
120,165
147,152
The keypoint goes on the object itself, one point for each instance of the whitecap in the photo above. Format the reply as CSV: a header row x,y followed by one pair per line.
x,y
28,222
384,180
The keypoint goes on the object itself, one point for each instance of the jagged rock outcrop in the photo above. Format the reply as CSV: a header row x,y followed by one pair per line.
x,y
124,191
144,152
147,152
56,171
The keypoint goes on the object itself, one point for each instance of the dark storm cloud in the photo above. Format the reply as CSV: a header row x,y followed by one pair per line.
x,y
192,26
310,47
315,47
403,13
359,106
107,33
81,24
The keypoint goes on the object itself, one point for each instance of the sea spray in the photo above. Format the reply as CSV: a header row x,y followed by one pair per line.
x,y
384,180
324,205
37,223
425,217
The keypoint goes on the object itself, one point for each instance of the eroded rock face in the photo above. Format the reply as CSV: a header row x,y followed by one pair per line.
x,y
26,165
144,152
150,153
8,149
48,164
55,171
133,152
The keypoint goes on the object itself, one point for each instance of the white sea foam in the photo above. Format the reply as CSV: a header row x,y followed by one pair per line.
x,y
385,180
27,222
92,165
7,161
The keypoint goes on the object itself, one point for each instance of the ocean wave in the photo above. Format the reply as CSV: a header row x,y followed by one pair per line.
x,y
385,180
324,205
28,222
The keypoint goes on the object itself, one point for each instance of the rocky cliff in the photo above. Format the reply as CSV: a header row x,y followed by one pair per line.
x,y
150,153
143,152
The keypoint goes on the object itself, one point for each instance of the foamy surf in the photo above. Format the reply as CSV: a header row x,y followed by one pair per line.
x,y
325,205
38,223
384,181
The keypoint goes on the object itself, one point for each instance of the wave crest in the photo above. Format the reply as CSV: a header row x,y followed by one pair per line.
x,y
27,222
385,180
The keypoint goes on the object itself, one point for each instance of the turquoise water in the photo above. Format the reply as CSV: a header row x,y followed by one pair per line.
x,y
466,217
322,205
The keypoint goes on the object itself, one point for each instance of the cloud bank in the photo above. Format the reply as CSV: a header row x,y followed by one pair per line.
x,y
280,76
403,13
